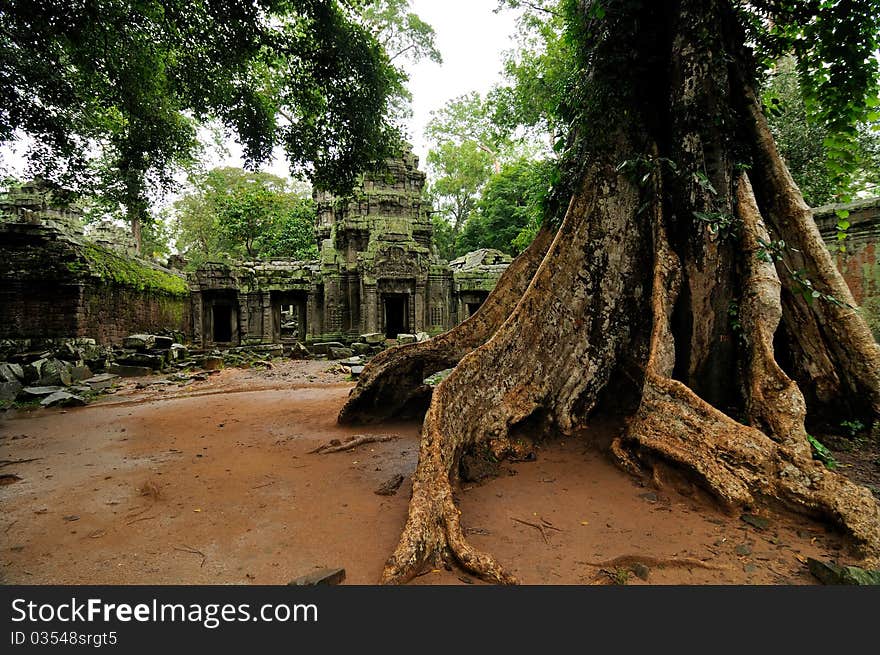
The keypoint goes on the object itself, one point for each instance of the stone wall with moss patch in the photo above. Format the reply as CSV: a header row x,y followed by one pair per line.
x,y
859,257
57,284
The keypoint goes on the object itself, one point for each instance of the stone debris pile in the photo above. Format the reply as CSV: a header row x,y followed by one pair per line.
x,y
70,372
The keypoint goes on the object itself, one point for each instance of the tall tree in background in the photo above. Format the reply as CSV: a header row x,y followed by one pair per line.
x,y
458,173
510,210
681,217
129,82
468,147
236,214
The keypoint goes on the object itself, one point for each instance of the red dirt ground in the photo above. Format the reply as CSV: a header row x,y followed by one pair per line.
x,y
241,501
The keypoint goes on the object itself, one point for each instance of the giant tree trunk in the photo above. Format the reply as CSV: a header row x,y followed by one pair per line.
x,y
659,287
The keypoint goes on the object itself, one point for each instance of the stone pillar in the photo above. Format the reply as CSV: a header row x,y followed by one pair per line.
x,y
301,320
371,308
198,332
313,319
418,312
240,322
267,333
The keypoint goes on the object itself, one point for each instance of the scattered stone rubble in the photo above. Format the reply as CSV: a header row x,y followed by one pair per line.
x,y
70,372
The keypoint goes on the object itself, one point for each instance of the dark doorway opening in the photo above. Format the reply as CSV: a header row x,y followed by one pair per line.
x,y
472,307
289,316
396,315
222,320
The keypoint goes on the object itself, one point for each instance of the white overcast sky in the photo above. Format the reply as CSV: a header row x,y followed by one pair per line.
x,y
471,38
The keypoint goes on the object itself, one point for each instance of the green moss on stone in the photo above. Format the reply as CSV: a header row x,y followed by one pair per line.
x,y
115,268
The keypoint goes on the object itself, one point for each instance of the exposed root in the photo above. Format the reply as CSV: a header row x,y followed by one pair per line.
x,y
502,383
836,358
336,446
739,464
393,380
773,401
433,531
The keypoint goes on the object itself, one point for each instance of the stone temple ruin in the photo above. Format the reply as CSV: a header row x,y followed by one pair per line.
x,y
377,272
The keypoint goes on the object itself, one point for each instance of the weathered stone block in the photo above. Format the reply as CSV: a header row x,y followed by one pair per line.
x,y
142,359
299,351
322,348
321,577
62,399
80,373
11,372
179,352
126,371
9,391
162,343
406,338
139,341
361,348
339,353
212,363
373,338
54,371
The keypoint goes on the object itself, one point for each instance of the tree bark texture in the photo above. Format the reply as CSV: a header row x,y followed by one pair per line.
x,y
660,282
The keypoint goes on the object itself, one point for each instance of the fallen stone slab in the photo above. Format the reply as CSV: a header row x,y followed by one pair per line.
x,y
372,338
37,392
356,371
406,338
339,353
437,378
63,399
100,378
320,577
139,341
829,573
390,486
353,361
126,371
323,347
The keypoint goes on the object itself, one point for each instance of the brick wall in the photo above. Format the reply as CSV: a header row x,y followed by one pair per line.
x,y
47,291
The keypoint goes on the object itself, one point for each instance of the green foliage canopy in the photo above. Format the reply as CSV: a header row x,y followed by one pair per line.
x,y
126,82
236,214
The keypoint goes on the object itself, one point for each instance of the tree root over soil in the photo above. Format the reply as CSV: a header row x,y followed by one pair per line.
x,y
351,443
578,337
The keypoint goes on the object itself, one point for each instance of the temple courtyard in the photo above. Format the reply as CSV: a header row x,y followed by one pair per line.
x,y
214,482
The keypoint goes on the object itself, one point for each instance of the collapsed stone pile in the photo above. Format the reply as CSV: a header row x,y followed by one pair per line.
x,y
65,372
